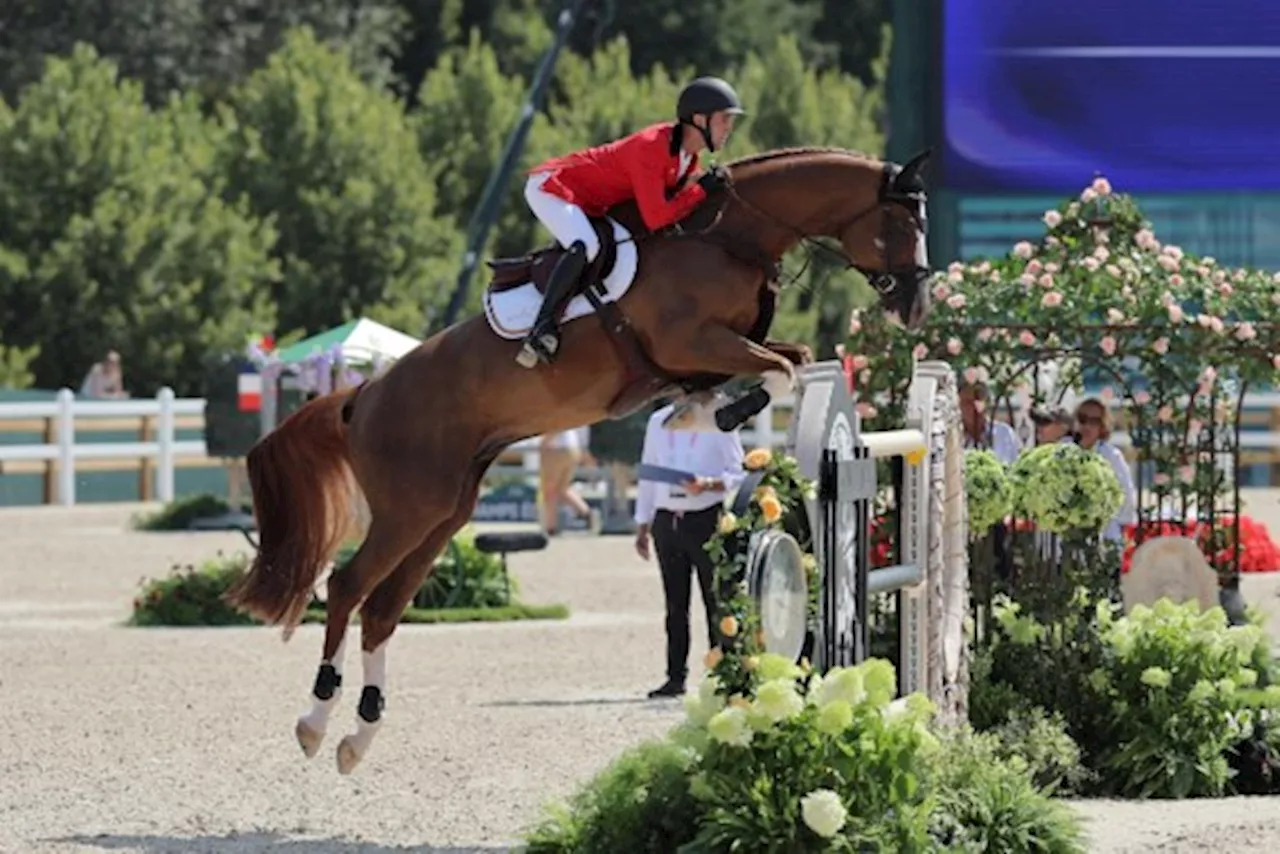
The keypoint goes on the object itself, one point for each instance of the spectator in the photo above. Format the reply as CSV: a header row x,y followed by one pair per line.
x,y
560,456
1052,424
105,380
983,432
681,519
1093,432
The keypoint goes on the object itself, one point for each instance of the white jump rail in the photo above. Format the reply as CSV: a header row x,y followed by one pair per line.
x,y
65,409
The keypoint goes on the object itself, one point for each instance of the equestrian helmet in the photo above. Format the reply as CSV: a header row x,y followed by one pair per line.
x,y
707,95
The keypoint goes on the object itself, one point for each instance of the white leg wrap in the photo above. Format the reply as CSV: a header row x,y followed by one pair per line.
x,y
375,668
318,717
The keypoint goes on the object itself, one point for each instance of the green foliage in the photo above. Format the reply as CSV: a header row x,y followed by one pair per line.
x,y
640,804
987,490
113,234
192,596
15,366
178,515
1065,489
988,802
811,763
335,165
467,585
1158,700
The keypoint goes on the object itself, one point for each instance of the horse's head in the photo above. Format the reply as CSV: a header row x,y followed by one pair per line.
x,y
888,241
876,210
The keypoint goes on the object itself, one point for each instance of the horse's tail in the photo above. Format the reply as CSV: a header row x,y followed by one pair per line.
x,y
302,490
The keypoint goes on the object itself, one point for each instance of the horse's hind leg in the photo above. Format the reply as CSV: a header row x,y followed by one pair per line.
x,y
380,615
383,548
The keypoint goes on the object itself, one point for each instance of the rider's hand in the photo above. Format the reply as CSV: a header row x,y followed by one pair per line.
x,y
642,542
714,179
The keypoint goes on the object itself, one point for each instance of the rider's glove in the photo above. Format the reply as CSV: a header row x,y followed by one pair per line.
x,y
714,179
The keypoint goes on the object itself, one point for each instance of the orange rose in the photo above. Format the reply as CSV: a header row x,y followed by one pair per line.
x,y
729,626
758,458
713,657
771,507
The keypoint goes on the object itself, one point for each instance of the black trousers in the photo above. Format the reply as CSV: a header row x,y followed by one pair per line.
x,y
678,541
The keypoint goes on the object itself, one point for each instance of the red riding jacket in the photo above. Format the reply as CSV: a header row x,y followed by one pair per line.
x,y
640,166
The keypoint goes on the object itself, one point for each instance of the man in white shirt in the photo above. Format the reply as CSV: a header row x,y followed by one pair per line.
x,y
681,519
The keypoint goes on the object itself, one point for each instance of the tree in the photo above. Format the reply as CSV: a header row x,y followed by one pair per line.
x,y
189,45
334,163
113,235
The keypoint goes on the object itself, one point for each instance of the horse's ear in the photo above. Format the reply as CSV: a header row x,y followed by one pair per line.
x,y
911,178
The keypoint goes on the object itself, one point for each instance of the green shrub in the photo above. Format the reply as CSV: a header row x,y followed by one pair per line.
x,y
811,764
192,596
1163,702
179,514
1041,742
467,586
987,801
639,804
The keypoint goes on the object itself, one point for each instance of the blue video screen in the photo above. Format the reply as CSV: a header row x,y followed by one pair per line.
x,y
1158,95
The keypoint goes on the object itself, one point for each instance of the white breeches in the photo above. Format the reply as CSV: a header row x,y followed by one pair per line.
x,y
563,219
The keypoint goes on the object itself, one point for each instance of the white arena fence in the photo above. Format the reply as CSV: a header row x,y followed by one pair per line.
x,y
64,453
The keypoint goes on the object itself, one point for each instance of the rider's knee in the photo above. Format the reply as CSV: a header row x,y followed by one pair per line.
x,y
591,245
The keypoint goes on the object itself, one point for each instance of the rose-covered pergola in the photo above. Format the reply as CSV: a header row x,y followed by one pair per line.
x,y
1174,340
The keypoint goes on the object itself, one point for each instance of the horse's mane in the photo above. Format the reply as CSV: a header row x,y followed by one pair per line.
x,y
798,151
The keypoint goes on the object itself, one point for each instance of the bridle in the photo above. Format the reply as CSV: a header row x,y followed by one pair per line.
x,y
885,281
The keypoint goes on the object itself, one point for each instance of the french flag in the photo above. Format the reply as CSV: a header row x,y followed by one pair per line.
x,y
249,392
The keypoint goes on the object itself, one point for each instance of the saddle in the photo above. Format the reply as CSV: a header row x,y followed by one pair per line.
x,y
536,266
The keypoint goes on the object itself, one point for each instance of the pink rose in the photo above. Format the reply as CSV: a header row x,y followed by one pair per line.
x,y
1275,361
1173,252
956,301
1026,338
920,351
985,333
1102,254
1101,186
1160,345
1216,324
1053,299
941,291
860,362
1187,473
866,410
1090,263
1161,479
954,346
1176,280
840,351
1142,398
1023,249
1027,280
855,322
1051,267
1053,219
1113,271
1088,195
1034,267
1108,345
1175,313
1115,316
970,375
1226,289
1046,281
1169,263
955,277
1165,414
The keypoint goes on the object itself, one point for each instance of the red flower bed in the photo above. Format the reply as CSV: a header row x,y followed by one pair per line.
x,y
1258,552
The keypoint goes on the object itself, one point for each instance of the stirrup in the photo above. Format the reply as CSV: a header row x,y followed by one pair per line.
x,y
540,347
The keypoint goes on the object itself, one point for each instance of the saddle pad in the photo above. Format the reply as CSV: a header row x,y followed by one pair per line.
x,y
511,313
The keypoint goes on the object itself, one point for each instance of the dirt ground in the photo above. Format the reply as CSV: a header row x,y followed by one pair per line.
x,y
165,740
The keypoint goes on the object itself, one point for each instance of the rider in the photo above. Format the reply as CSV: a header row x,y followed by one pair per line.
x,y
651,166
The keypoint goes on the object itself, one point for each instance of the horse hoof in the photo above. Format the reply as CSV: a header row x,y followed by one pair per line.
x,y
348,756
309,738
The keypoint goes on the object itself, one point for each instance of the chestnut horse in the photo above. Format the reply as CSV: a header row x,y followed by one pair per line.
x,y
417,440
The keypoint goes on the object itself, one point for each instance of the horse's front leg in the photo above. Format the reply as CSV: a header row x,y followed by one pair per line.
x,y
717,349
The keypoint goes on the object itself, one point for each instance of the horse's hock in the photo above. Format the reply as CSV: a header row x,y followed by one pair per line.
x,y
933,577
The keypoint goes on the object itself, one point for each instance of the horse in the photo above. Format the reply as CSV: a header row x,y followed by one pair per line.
x,y
409,447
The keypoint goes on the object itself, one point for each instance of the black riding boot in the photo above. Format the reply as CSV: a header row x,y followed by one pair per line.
x,y
543,339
